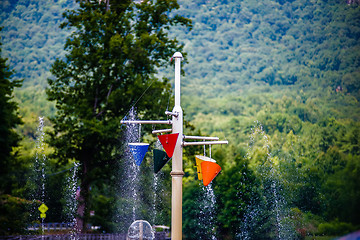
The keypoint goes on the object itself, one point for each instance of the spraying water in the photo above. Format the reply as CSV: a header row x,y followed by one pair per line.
x,y
209,207
71,192
155,187
132,136
158,190
267,214
128,192
38,178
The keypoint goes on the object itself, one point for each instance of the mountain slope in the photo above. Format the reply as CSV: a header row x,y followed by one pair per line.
x,y
274,42
31,37
294,48
242,54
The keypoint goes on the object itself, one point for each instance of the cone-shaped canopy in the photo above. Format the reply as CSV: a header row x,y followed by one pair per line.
x,y
138,150
209,171
160,159
168,141
199,159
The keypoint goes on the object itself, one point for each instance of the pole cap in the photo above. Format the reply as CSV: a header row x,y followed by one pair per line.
x,y
177,55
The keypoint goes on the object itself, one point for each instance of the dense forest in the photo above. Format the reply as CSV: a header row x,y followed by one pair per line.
x,y
279,79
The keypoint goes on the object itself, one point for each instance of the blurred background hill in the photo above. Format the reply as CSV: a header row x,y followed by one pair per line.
x,y
307,51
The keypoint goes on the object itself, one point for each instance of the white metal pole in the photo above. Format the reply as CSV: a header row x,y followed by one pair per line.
x,y
177,162
178,57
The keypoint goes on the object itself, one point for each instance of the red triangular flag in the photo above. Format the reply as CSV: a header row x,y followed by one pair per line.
x,y
209,171
168,141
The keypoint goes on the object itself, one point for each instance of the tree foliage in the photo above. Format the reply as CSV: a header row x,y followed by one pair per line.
x,y
9,119
113,54
12,208
31,39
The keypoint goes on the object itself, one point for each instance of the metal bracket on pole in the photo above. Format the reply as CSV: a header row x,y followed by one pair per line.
x,y
161,131
211,142
169,122
204,143
200,138
174,114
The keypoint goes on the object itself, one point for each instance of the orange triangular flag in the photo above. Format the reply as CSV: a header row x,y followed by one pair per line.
x,y
168,142
209,171
199,159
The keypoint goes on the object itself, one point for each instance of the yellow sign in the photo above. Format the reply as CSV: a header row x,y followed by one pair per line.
x,y
43,208
43,215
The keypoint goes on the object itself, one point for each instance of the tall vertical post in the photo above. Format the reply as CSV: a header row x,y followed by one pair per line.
x,y
177,159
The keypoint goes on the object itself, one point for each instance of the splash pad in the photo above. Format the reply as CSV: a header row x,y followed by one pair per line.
x,y
174,148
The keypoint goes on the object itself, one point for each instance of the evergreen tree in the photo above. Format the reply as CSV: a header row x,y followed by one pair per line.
x,y
113,53
9,119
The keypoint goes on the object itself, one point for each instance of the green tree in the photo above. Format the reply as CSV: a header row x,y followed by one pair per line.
x,y
9,119
235,189
195,214
113,53
9,139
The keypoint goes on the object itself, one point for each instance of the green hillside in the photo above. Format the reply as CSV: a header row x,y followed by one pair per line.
x,y
292,60
304,50
31,37
31,42
279,79
300,49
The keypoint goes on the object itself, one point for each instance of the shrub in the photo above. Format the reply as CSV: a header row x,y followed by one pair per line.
x,y
335,228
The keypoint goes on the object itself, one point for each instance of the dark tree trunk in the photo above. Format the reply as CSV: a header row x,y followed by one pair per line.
x,y
83,200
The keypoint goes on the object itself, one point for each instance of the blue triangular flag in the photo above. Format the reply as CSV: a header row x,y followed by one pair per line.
x,y
138,150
